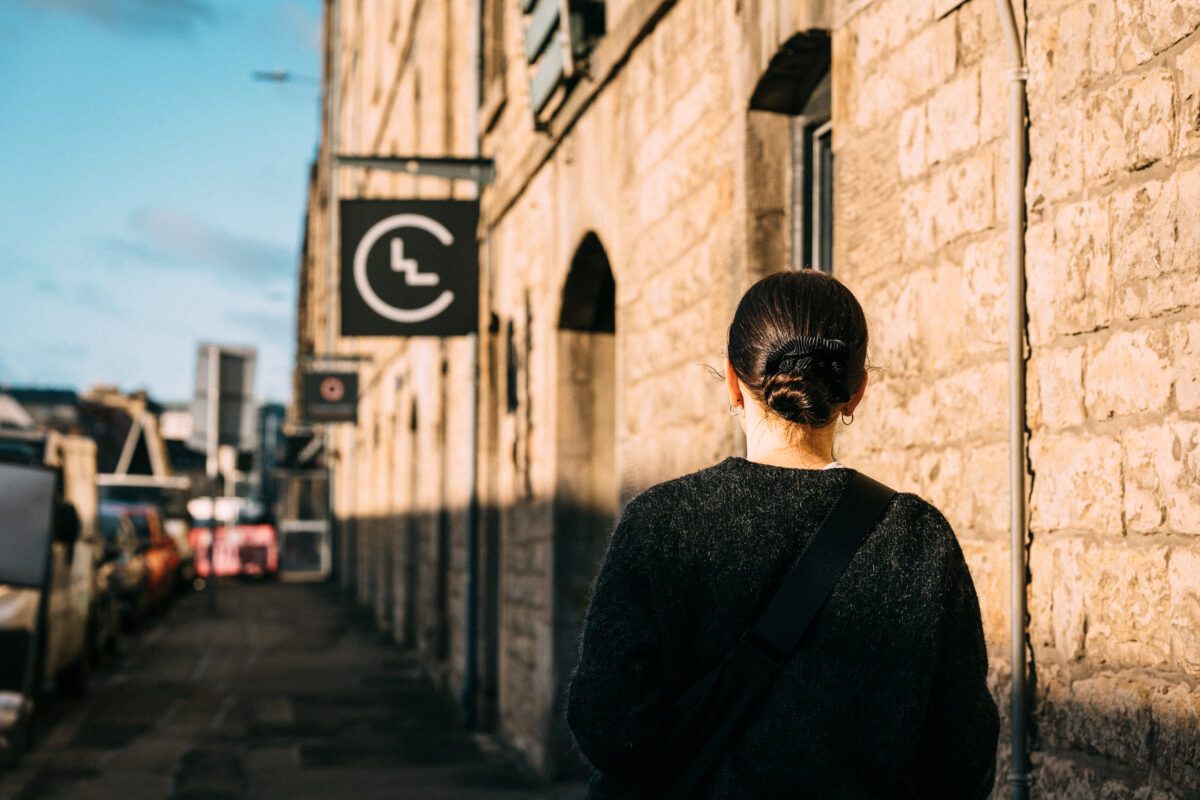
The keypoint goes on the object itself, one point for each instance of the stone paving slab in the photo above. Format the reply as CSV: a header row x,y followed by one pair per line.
x,y
283,694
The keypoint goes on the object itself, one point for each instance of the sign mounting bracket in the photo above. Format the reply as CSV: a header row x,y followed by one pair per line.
x,y
477,170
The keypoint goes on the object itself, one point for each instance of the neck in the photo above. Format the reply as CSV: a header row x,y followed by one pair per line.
x,y
779,444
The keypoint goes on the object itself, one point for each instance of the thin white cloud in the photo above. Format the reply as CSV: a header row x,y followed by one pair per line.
x,y
70,289
167,237
138,17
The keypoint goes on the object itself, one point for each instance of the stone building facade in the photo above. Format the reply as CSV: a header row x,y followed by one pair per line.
x,y
1114,593
399,486
672,152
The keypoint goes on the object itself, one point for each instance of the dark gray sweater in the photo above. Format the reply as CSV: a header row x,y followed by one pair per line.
x,y
886,697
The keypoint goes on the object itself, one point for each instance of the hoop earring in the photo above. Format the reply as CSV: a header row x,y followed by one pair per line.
x,y
736,410
844,422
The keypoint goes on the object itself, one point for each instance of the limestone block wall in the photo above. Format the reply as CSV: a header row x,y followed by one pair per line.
x,y
401,490
653,169
919,137
1113,261
656,154
1113,264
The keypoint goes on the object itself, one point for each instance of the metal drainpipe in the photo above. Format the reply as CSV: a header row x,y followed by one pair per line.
x,y
471,590
1019,779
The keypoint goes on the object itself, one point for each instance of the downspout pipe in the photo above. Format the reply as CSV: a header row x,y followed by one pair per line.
x,y
1019,777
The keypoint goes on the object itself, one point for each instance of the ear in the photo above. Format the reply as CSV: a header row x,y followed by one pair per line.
x,y
857,397
733,385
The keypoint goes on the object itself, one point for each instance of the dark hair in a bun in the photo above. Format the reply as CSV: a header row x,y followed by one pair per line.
x,y
798,341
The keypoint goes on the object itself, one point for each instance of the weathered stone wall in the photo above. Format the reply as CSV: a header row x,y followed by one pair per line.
x,y
400,494
921,108
656,165
921,153
655,152
652,169
1114,189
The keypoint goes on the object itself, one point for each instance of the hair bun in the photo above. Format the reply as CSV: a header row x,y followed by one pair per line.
x,y
802,398
805,377
818,357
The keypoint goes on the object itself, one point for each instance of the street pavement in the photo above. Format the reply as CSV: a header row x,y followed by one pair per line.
x,y
284,694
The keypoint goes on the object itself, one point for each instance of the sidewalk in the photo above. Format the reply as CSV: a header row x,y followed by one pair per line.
x,y
283,695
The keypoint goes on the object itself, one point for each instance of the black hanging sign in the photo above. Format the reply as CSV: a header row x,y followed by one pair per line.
x,y
330,396
409,267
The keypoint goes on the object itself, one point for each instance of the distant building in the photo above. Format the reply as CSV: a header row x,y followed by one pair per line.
x,y
653,164
13,416
56,409
175,421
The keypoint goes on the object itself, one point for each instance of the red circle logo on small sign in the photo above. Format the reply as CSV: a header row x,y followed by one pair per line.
x,y
332,389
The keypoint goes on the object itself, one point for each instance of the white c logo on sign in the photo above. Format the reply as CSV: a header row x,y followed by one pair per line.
x,y
374,234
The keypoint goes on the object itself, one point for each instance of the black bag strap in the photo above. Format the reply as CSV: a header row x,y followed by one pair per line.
x,y
811,579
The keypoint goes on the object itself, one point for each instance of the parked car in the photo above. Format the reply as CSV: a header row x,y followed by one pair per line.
x,y
124,565
169,496
157,549
105,630
63,622
247,545
74,552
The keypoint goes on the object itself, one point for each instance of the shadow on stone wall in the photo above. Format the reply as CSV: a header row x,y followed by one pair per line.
x,y
535,567
1116,736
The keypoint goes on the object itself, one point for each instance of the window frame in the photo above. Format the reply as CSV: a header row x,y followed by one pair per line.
x,y
813,171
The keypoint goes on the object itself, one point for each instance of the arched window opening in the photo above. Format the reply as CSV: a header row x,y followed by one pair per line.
x,y
797,84
589,296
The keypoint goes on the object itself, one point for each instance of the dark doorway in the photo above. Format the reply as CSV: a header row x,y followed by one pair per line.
x,y
586,477
442,571
412,544
487,709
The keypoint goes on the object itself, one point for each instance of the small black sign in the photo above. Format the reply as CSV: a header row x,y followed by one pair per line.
x,y
409,267
330,397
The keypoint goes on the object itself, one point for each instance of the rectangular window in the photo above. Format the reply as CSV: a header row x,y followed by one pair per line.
x,y
559,34
812,183
821,196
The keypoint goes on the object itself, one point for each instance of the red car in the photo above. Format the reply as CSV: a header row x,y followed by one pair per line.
x,y
243,549
158,549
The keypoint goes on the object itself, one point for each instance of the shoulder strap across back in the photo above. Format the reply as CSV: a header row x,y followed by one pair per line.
x,y
812,578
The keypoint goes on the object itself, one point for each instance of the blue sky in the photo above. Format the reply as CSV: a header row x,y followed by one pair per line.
x,y
151,193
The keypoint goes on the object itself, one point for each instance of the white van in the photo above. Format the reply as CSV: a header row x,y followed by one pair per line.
x,y
75,552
